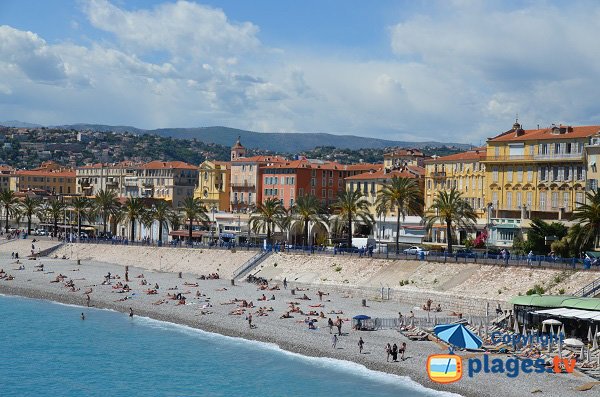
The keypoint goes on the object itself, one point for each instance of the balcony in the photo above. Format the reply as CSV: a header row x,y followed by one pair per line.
x,y
438,174
244,184
535,157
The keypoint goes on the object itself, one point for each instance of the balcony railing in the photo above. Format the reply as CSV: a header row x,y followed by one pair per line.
x,y
438,174
537,157
243,184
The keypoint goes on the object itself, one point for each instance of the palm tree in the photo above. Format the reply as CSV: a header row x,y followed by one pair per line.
x,y
17,215
308,209
450,208
161,215
80,205
117,216
174,219
106,202
267,214
134,208
147,219
403,196
587,215
55,211
9,202
351,206
194,210
29,206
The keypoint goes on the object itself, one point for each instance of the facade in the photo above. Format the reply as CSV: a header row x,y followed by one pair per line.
x,y
592,156
121,177
402,158
49,177
214,184
171,181
463,171
537,173
5,177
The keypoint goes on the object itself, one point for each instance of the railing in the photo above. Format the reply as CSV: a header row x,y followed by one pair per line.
x,y
438,174
589,290
531,157
250,264
242,184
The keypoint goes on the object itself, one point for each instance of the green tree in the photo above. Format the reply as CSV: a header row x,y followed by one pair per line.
x,y
56,210
587,216
80,205
116,216
29,207
174,219
350,207
161,214
10,203
106,202
450,208
267,215
540,230
134,208
193,210
147,219
403,196
308,209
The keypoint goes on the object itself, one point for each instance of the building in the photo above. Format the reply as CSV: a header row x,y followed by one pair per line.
x,y
5,177
49,177
538,173
168,180
592,156
371,183
403,157
120,177
214,184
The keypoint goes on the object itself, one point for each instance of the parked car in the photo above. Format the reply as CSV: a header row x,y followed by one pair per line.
x,y
414,250
465,253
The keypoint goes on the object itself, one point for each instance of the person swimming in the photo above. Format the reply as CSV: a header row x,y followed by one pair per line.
x,y
82,316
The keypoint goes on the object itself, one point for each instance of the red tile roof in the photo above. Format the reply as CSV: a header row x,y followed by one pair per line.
x,y
122,164
475,154
68,174
381,174
157,164
259,159
546,133
405,152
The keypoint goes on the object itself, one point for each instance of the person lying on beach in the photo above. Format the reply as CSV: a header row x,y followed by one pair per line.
x,y
172,288
237,312
319,305
313,313
199,294
275,288
262,298
73,289
301,289
159,302
263,287
206,305
321,315
221,289
231,302
181,302
151,292
140,276
190,284
122,299
88,291
143,282
9,278
304,297
334,312
118,285
286,315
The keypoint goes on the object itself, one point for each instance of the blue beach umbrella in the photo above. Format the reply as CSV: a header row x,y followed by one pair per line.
x,y
361,317
457,335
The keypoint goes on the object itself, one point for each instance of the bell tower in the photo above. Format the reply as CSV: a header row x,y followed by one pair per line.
x,y
237,150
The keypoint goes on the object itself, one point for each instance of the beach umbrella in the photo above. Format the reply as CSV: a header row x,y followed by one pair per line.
x,y
588,358
434,320
361,317
562,331
581,356
524,330
487,309
516,324
458,335
559,344
589,333
595,343
412,321
486,329
573,342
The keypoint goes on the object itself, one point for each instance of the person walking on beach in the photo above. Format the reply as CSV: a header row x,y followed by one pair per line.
x,y
361,344
334,340
284,283
87,299
250,320
130,312
388,351
395,353
402,350
330,323
339,326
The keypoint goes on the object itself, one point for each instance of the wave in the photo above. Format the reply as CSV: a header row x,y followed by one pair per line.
x,y
327,362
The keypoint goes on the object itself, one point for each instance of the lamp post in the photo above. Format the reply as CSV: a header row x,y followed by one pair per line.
x,y
212,225
489,208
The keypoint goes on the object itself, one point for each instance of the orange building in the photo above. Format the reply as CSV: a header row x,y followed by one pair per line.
x,y
50,177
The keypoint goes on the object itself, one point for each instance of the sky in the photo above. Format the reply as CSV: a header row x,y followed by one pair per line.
x,y
453,70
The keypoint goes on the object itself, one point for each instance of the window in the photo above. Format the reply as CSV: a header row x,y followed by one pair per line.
x,y
330,192
561,173
543,201
313,182
291,202
519,174
555,173
529,174
323,194
373,187
554,200
351,186
509,174
580,173
566,200
529,199
509,200
516,149
543,148
519,202
497,151
301,192
567,175
578,199
495,198
429,184
494,174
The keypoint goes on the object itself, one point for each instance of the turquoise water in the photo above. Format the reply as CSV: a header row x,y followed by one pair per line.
x,y
46,349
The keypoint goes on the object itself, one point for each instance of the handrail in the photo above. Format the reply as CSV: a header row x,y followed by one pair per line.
x,y
252,262
588,289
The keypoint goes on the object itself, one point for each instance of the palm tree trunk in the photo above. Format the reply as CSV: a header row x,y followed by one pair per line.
x,y
305,233
55,227
190,232
78,226
268,234
449,235
29,224
398,232
6,211
104,218
160,231
132,229
350,232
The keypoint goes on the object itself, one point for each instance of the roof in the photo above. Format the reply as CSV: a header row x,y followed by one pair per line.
x,y
475,154
238,144
65,173
362,166
157,164
305,163
415,169
381,174
405,152
551,301
122,164
516,134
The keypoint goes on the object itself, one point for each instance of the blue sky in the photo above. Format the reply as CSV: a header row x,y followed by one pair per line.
x,y
456,70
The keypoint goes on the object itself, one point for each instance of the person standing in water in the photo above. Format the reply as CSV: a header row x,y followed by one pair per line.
x,y
82,316
130,312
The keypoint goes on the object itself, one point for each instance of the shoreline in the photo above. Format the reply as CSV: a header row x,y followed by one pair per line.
x,y
31,293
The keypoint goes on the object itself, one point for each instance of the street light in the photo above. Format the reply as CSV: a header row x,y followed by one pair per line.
x,y
489,208
212,225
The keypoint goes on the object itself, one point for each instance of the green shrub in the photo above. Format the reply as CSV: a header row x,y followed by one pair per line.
x,y
561,291
338,269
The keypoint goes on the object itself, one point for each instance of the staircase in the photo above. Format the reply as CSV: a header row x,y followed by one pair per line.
x,y
251,264
590,290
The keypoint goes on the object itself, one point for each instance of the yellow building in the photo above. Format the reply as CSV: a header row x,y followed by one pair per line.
x,y
214,184
463,171
168,180
402,158
49,177
537,173
6,173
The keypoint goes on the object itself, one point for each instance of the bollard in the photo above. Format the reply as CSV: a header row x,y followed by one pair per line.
x,y
179,274
364,303
232,282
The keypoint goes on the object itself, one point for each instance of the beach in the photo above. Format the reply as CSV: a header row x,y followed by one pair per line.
x,y
211,311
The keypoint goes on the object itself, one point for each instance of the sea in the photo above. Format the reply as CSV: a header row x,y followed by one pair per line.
x,y
46,349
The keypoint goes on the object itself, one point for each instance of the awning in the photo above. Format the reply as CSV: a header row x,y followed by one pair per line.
x,y
571,313
227,235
